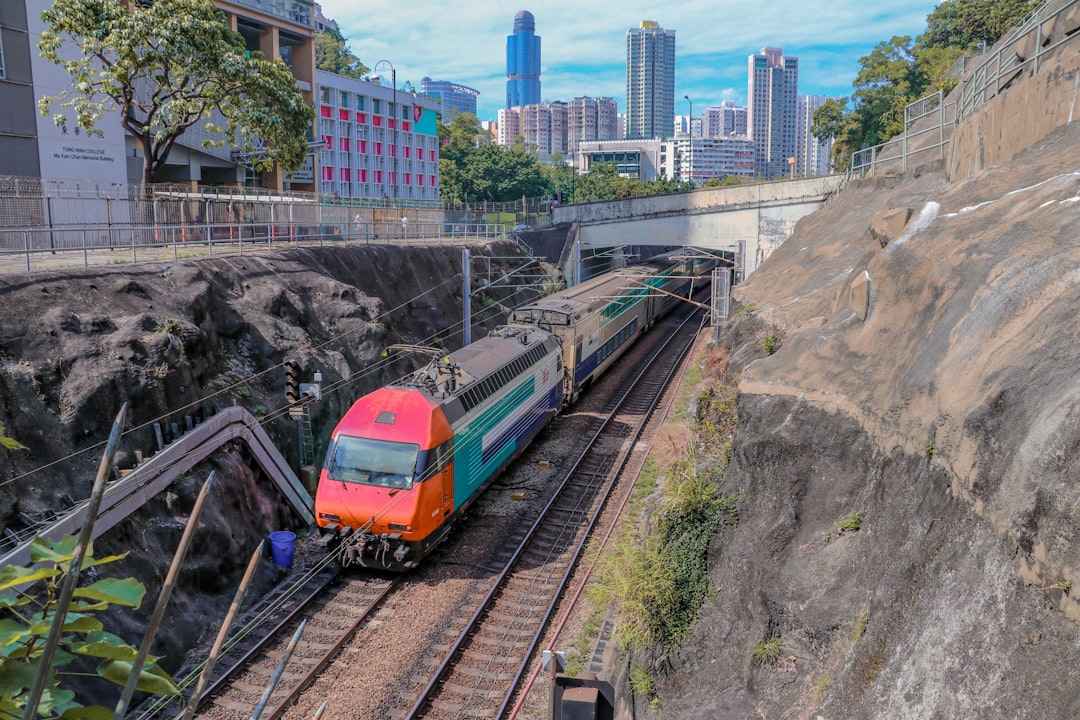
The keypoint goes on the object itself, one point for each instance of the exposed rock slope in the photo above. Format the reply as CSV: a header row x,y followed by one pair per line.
x,y
927,382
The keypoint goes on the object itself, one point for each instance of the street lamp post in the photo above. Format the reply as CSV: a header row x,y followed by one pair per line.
x,y
690,132
395,118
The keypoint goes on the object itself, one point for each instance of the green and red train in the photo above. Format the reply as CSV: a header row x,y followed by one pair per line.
x,y
408,459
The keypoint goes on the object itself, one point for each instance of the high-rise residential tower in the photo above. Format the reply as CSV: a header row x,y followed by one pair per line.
x,y
523,62
724,119
650,81
773,90
811,154
591,119
453,98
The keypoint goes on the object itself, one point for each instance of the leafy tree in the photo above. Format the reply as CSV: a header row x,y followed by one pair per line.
x,y
899,72
27,621
166,65
333,55
498,174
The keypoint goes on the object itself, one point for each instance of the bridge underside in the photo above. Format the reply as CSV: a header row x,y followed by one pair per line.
x,y
751,220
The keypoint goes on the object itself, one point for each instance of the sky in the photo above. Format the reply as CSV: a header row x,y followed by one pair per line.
x,y
583,44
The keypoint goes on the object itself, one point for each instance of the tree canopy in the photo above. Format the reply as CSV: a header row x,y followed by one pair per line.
x,y
166,66
471,167
333,55
900,71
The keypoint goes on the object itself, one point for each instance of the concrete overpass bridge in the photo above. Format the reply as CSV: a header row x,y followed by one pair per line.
x,y
748,220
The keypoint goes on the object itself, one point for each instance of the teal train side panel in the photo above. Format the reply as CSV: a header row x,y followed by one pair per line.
x,y
472,465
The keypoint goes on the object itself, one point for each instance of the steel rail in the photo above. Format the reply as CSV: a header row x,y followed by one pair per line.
x,y
501,579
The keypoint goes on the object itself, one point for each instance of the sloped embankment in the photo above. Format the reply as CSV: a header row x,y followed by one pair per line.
x,y
908,458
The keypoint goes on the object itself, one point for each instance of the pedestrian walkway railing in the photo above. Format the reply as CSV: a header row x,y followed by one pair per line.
x,y
929,121
28,249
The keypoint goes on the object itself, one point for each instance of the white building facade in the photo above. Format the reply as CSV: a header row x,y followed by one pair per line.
x,y
640,159
699,160
377,143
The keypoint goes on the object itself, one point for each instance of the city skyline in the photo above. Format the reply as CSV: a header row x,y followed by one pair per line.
x,y
585,52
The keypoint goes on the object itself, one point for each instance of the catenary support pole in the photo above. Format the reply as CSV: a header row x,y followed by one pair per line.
x,y
466,299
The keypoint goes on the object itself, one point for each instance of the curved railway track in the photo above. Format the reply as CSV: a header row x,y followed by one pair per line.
x,y
480,670
477,674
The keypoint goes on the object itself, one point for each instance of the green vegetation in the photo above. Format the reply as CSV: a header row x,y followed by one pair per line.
x,y
170,326
772,339
928,449
28,617
9,443
473,169
858,628
260,410
851,523
747,311
767,651
898,72
821,684
577,660
243,391
165,66
641,682
333,55
655,576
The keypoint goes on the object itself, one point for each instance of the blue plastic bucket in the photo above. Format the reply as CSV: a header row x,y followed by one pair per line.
x,y
282,547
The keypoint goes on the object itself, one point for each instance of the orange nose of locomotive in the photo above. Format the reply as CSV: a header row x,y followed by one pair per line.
x,y
379,475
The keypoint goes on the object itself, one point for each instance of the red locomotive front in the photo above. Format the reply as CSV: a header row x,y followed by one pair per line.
x,y
388,477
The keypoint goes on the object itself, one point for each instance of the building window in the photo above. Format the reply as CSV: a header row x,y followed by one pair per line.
x,y
324,95
344,97
378,176
408,179
375,106
359,102
378,148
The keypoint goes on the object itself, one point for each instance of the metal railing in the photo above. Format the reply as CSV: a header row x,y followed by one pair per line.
x,y
32,248
1042,33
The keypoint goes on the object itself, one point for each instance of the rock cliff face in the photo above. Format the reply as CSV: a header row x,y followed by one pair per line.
x,y
906,548
183,338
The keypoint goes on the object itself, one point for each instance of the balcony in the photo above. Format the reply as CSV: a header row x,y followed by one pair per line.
x,y
294,11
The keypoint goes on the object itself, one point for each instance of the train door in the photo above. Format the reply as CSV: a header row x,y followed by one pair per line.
x,y
444,477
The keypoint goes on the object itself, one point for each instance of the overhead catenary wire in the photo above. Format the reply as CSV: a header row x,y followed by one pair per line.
x,y
339,337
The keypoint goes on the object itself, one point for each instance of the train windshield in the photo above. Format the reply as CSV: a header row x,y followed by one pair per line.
x,y
373,462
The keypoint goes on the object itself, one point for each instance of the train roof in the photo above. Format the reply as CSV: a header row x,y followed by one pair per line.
x,y
465,377
595,293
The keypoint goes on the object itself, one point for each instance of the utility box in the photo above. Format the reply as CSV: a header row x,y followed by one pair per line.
x,y
583,698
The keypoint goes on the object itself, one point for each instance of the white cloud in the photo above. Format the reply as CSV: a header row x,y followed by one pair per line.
x,y
583,47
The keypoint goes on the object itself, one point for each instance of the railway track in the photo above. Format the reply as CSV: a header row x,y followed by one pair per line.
x,y
480,670
332,606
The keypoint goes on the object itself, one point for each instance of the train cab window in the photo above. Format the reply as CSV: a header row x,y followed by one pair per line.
x,y
373,462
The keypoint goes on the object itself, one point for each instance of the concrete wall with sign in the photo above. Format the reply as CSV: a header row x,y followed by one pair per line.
x,y
73,154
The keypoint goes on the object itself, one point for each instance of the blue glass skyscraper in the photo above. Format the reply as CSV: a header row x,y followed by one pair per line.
x,y
523,62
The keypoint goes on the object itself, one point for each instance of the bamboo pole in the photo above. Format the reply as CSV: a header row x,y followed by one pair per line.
x,y
67,591
261,705
215,651
163,599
